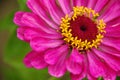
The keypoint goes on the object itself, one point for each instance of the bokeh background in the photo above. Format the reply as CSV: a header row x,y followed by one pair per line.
x,y
12,50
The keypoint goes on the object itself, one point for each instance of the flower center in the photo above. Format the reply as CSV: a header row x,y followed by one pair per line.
x,y
82,30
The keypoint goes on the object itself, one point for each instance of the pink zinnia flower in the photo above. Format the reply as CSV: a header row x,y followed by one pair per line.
x,y
79,36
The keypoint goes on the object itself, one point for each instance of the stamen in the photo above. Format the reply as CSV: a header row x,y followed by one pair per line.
x,y
66,31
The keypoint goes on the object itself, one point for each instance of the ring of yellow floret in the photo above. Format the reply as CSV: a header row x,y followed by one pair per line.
x,y
74,41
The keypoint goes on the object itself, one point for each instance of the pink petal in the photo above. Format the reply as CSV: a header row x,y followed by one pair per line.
x,y
20,33
54,10
79,76
74,62
90,77
110,74
78,2
73,67
73,3
115,8
38,62
65,5
76,77
114,22
107,74
28,58
26,34
96,66
53,55
84,71
82,2
111,6
35,59
112,61
32,20
31,33
110,50
113,31
58,69
112,42
118,73
40,9
41,44
92,3
100,5
76,55
17,18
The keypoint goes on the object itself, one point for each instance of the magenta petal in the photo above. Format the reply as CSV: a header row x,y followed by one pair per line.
x,y
79,76
28,58
113,31
26,34
110,50
58,69
76,77
76,55
74,62
96,67
118,73
110,75
92,3
53,55
90,77
100,5
35,59
82,2
38,62
20,33
78,3
54,10
112,6
41,44
40,9
17,18
112,42
115,13
65,5
112,16
31,33
112,61
114,22
73,67
32,20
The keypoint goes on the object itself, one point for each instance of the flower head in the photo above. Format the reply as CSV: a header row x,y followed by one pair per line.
x,y
79,36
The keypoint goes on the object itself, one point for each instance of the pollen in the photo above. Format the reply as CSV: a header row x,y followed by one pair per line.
x,y
78,41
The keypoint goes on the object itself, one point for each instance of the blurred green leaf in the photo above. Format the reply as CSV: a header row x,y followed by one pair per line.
x,y
100,78
118,78
7,22
22,5
53,78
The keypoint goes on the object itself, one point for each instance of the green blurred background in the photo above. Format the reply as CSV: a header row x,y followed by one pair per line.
x,y
12,50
